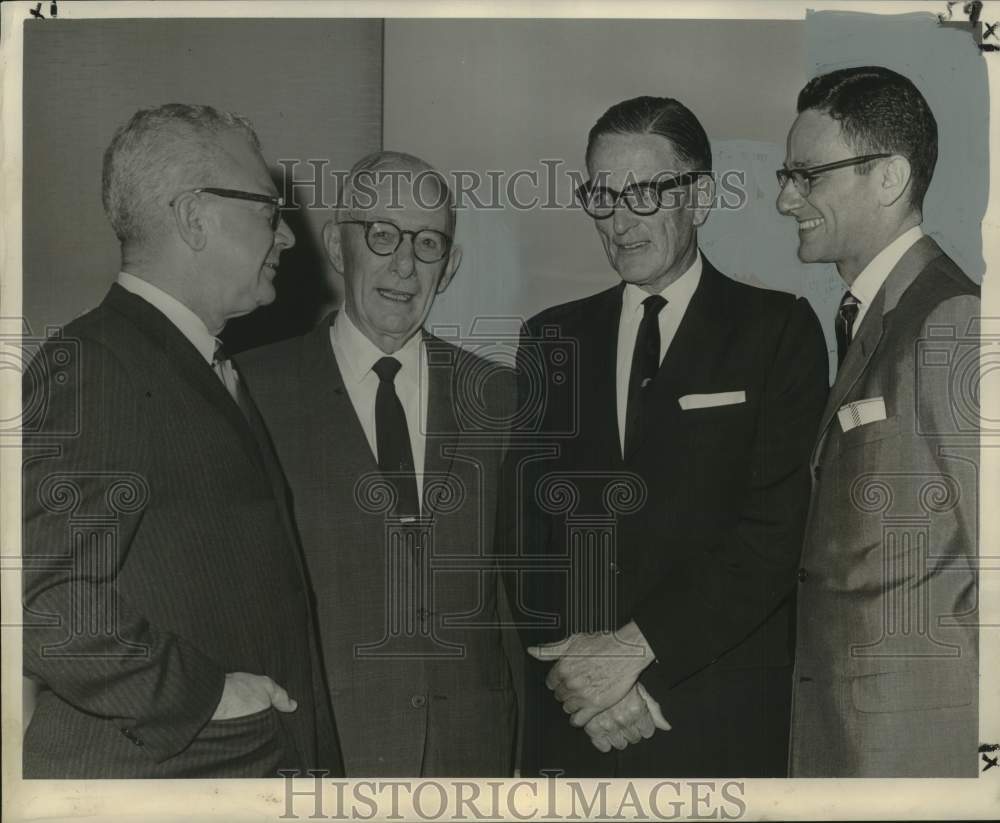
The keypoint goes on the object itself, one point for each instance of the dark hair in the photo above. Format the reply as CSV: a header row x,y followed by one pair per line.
x,y
664,116
879,111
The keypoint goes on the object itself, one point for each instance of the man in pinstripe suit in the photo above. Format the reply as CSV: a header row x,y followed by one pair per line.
x,y
167,618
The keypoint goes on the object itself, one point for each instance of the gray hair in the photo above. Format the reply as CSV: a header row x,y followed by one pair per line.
x,y
364,174
154,155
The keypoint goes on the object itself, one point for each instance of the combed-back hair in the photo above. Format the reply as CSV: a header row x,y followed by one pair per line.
x,y
664,116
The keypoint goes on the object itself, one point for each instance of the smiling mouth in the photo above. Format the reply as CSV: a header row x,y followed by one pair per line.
x,y
809,225
395,296
632,247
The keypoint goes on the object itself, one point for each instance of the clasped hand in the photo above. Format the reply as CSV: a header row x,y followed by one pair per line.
x,y
594,677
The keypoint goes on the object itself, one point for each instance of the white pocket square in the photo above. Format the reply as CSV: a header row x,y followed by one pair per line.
x,y
860,412
707,401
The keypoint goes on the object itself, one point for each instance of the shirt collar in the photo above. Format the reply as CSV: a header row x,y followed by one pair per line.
x,y
867,284
187,322
679,292
360,354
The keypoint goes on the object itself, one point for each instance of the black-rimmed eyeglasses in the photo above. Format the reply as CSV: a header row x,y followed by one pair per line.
x,y
383,238
236,194
642,198
802,179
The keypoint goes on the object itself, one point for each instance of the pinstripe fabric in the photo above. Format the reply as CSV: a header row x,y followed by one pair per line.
x,y
417,706
159,555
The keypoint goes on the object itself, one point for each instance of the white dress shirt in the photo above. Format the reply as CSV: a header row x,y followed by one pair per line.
x,y
678,296
356,355
867,284
187,322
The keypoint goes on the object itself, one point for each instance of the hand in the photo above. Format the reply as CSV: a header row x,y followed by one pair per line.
x,y
634,717
246,694
594,671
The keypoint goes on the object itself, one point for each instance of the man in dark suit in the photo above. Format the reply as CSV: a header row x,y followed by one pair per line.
x,y
886,669
392,441
669,480
166,609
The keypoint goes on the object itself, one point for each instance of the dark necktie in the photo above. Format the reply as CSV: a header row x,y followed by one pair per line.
x,y
392,438
645,364
844,325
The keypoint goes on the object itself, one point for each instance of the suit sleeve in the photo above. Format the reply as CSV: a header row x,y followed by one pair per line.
x,y
948,409
85,494
948,417
521,528
717,596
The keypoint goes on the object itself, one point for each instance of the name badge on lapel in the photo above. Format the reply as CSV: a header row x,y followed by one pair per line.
x,y
860,412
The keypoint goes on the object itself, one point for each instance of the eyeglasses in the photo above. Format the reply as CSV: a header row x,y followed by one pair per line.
x,y
643,198
383,238
236,194
802,179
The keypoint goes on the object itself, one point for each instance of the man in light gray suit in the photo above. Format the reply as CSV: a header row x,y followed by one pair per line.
x,y
886,670
392,440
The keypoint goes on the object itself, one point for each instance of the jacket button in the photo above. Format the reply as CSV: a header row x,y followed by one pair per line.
x,y
803,574
131,736
614,568
418,701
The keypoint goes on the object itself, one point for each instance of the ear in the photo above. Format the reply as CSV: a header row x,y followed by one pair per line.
x,y
190,220
703,192
333,243
894,179
454,260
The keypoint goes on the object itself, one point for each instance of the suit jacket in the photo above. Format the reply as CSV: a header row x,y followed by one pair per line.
x,y
695,535
407,615
886,659
159,555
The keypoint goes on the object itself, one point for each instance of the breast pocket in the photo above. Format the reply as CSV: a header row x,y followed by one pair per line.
x,y
869,433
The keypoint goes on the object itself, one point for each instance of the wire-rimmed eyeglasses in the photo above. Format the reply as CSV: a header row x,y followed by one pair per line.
x,y
383,238
802,179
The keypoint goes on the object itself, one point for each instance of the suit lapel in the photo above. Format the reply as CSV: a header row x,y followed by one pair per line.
x,y
598,365
863,347
443,431
183,356
693,349
858,357
344,440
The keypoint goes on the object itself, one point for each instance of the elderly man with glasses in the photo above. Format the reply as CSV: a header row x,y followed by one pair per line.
x,y
699,395
166,611
886,668
392,440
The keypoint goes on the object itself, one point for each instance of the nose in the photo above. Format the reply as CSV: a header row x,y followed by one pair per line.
x,y
402,259
789,198
622,219
284,237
